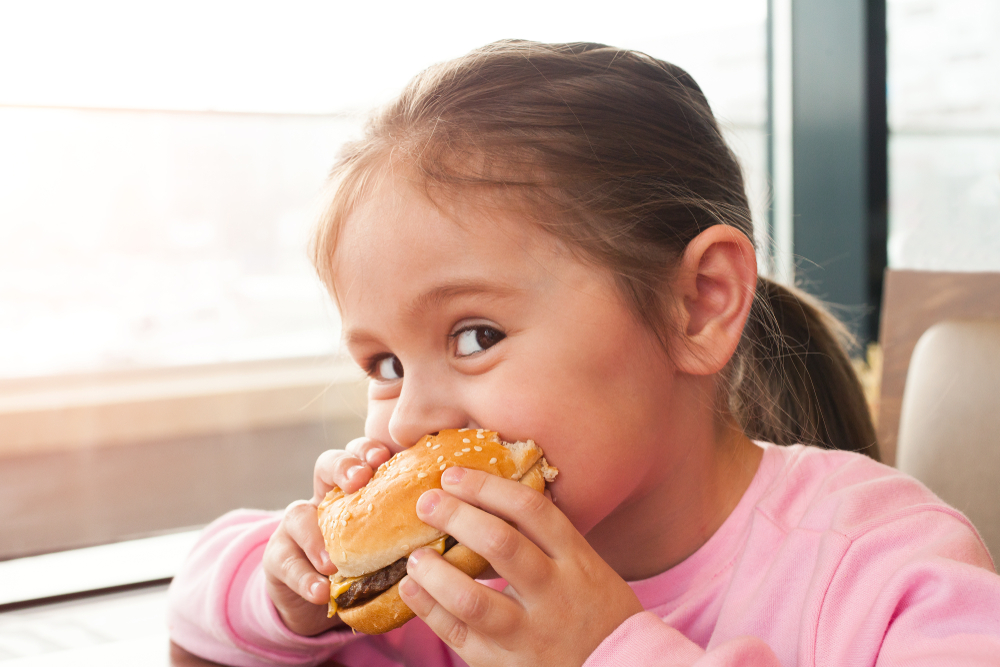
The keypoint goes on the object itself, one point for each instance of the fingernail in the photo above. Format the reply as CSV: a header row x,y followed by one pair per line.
x,y
408,587
316,588
453,475
428,501
354,470
324,558
414,559
371,456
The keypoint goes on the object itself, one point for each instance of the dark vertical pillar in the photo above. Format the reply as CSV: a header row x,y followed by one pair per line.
x,y
838,185
878,161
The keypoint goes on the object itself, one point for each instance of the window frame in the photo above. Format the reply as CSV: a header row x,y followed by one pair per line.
x,y
60,413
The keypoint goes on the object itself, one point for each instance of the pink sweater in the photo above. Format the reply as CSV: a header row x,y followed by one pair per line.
x,y
829,559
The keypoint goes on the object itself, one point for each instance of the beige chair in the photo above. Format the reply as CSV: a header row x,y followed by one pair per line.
x,y
947,439
913,302
949,427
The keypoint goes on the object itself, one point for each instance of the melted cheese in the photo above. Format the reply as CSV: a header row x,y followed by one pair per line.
x,y
338,588
438,545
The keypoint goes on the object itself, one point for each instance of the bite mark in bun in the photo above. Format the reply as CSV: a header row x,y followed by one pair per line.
x,y
370,533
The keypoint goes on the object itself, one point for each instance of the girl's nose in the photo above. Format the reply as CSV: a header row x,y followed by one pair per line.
x,y
424,406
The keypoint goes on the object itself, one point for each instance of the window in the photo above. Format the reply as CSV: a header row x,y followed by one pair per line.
x,y
166,342
944,145
159,171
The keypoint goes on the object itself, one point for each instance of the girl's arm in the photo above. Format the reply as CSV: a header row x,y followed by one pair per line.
x,y
222,603
218,607
917,588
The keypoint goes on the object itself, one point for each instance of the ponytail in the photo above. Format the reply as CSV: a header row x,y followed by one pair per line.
x,y
791,380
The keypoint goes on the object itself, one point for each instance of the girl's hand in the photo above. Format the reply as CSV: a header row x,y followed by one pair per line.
x,y
349,468
296,565
563,599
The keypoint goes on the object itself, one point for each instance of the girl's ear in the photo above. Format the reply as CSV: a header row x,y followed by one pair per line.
x,y
713,291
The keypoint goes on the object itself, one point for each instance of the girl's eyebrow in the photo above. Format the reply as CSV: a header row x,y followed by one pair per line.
x,y
436,296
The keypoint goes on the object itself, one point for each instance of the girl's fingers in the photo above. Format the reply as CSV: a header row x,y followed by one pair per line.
x,y
350,468
533,513
463,601
285,562
372,452
340,469
512,555
453,631
301,524
323,473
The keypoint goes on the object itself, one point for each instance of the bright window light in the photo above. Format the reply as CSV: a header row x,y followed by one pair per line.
x,y
160,160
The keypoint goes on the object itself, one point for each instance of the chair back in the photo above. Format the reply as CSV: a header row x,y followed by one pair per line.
x,y
949,428
913,302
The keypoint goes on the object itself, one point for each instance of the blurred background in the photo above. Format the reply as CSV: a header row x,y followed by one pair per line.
x,y
160,160
166,352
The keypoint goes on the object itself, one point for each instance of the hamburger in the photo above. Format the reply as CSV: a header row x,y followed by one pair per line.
x,y
370,534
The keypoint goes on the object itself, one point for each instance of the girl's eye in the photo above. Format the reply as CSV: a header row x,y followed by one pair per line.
x,y
388,368
477,339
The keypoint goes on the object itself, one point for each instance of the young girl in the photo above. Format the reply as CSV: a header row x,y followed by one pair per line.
x,y
553,241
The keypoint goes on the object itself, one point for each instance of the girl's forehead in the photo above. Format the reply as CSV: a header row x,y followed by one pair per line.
x,y
398,235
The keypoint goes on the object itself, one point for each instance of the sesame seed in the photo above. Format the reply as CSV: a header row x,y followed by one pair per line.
x,y
375,492
462,430
466,440
466,449
428,443
436,447
370,507
478,448
458,453
406,547
480,436
443,466
493,460
514,476
421,475
440,458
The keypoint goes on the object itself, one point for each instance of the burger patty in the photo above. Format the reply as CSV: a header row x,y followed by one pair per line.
x,y
374,584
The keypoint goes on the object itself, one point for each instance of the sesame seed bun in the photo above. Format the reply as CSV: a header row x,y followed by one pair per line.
x,y
377,525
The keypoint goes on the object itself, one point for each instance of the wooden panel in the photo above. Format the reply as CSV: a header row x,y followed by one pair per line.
x,y
913,302
81,497
68,412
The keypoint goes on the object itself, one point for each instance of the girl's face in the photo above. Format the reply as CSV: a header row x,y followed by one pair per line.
x,y
469,319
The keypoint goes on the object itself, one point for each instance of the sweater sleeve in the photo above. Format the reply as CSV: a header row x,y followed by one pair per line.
x,y
917,589
646,640
218,607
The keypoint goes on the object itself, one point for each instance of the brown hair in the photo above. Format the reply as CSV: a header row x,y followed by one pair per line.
x,y
617,154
